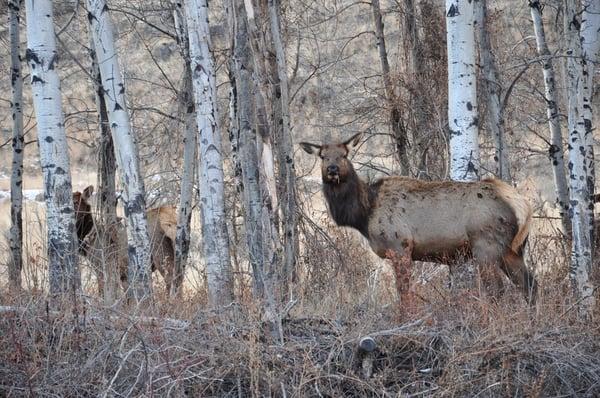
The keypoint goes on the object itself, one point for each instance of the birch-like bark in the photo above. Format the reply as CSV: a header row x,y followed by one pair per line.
x,y
590,46
581,200
556,150
395,116
15,264
106,222
245,89
267,109
42,58
212,199
184,213
462,91
491,92
285,150
126,151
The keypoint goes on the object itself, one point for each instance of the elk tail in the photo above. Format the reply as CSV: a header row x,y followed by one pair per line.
x,y
520,207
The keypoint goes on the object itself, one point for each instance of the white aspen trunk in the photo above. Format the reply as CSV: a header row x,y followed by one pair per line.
x,y
581,201
462,91
138,241
106,222
15,264
42,58
556,150
285,150
395,115
590,46
245,89
492,89
184,213
261,55
212,198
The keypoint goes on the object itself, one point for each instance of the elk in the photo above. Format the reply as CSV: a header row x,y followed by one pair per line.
x,y
162,223
405,219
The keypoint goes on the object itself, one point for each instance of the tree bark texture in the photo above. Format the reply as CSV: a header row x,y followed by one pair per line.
x,y
579,175
184,214
212,199
395,115
284,148
42,58
106,221
462,91
15,264
138,242
556,150
590,46
491,92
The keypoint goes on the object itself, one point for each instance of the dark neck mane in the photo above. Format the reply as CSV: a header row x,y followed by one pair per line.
x,y
350,202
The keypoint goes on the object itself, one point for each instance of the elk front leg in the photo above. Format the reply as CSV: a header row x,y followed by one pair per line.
x,y
402,264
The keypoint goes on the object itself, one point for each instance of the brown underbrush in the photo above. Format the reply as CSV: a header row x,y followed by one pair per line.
x,y
446,343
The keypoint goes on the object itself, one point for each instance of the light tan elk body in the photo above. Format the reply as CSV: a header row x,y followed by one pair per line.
x,y
162,223
440,221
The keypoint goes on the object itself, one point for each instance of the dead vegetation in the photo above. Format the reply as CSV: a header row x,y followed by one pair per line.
x,y
453,344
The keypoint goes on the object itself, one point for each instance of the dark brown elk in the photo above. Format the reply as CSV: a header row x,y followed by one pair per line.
x,y
162,224
439,221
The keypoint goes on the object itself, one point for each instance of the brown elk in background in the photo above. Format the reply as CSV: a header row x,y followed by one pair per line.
x,y
440,221
162,223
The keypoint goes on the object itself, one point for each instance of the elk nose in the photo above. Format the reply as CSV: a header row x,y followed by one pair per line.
x,y
333,169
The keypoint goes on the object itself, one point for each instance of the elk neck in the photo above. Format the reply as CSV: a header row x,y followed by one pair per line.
x,y
350,202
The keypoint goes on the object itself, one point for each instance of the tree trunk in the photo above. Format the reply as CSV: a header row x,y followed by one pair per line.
x,y
395,117
285,150
138,241
184,215
42,58
106,222
590,46
15,264
462,91
212,200
491,92
555,151
247,146
420,108
581,201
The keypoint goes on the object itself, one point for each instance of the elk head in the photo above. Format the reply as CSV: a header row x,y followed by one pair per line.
x,y
83,214
335,166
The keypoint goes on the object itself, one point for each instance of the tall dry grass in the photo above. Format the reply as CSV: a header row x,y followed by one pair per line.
x,y
451,344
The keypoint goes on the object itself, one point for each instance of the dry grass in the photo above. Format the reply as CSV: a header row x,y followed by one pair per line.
x,y
451,344
459,345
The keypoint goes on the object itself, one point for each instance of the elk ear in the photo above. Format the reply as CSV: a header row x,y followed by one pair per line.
x,y
354,140
310,148
87,192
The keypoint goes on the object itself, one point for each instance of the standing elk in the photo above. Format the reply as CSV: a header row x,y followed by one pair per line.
x,y
162,223
439,221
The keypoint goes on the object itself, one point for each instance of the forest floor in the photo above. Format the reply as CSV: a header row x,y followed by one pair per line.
x,y
448,344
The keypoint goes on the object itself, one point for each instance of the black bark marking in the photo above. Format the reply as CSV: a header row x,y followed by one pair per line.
x,y
91,17
53,61
453,11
